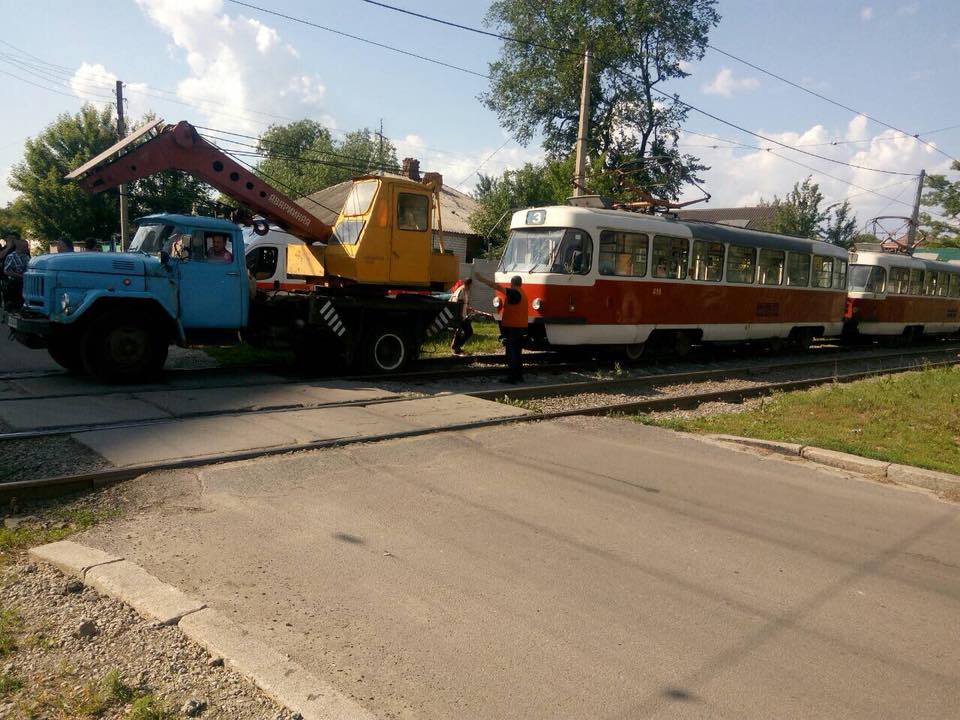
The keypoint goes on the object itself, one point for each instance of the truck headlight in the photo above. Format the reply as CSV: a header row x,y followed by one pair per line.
x,y
65,304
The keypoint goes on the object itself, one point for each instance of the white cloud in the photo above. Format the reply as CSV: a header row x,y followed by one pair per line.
x,y
459,170
238,66
866,13
741,177
94,83
726,84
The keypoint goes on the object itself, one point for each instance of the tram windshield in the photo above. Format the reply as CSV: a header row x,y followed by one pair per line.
x,y
867,278
548,250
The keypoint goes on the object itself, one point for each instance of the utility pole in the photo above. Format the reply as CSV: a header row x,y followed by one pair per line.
x,y
381,145
915,215
122,133
583,129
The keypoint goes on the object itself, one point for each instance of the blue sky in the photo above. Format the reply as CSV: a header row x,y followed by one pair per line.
x,y
238,69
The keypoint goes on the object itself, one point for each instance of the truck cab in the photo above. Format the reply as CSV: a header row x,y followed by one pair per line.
x,y
183,280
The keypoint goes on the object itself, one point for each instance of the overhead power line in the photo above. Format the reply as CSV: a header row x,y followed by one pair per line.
x,y
791,83
674,97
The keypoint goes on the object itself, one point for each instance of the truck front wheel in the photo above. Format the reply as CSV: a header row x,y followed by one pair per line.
x,y
66,351
120,346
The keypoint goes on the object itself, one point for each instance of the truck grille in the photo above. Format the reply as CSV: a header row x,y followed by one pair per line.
x,y
33,285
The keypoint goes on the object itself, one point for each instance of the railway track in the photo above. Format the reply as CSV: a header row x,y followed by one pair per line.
x,y
606,385
907,361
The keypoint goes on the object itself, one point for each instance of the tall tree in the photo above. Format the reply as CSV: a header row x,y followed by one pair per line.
x,y
302,157
546,183
638,47
945,195
53,206
799,214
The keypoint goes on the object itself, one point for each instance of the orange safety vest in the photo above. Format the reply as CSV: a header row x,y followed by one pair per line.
x,y
514,316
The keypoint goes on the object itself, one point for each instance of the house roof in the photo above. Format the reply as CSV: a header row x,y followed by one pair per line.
x,y
752,218
455,206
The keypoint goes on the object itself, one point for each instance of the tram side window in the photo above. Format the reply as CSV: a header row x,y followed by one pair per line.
x,y
943,284
262,262
741,264
707,260
916,282
670,257
574,255
954,285
899,280
771,266
840,274
623,253
798,269
822,271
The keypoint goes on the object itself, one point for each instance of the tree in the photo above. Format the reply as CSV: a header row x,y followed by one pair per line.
x,y
638,47
53,206
13,218
546,183
799,214
944,195
301,157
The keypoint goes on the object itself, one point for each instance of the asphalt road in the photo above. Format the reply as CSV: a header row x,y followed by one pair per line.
x,y
589,568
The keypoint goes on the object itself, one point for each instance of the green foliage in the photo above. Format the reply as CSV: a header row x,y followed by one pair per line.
x,y
546,183
302,157
10,625
943,194
13,218
799,214
52,206
637,48
149,707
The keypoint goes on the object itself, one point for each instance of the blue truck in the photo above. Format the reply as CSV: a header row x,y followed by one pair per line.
x,y
185,278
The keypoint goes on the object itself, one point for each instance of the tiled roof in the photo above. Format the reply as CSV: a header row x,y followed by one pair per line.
x,y
753,218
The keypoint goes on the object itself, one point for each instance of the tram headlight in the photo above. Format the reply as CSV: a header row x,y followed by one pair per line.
x,y
537,303
497,303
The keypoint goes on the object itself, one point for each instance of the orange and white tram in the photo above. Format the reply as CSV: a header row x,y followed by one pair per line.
x,y
899,296
619,279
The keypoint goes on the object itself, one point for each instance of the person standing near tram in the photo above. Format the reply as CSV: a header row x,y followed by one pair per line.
x,y
513,322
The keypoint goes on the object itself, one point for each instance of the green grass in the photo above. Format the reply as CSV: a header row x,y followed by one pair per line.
x,y
10,626
9,684
74,520
911,418
486,339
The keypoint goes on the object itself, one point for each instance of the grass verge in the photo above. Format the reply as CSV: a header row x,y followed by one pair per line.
x,y
46,526
486,339
910,418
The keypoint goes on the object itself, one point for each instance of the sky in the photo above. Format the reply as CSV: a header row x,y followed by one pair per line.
x,y
222,65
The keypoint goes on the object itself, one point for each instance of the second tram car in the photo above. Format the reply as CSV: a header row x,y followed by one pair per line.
x,y
619,279
897,296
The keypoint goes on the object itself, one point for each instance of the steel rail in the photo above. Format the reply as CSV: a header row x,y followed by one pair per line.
x,y
55,486
532,391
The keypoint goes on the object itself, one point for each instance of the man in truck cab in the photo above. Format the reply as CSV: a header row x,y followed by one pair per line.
x,y
218,250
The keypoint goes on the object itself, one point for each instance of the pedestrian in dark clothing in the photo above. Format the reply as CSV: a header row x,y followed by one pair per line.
x,y
64,245
513,322
465,328
92,245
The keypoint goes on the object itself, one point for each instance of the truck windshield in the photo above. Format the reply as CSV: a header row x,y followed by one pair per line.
x,y
150,239
868,278
555,250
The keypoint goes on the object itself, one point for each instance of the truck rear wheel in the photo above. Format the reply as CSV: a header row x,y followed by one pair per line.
x,y
120,346
386,350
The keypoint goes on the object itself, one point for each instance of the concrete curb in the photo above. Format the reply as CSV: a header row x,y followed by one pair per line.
x,y
904,474
72,558
279,677
284,680
142,591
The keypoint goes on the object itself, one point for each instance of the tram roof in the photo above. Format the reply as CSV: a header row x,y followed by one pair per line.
x,y
715,232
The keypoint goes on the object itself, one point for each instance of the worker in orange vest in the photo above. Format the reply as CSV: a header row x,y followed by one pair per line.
x,y
513,322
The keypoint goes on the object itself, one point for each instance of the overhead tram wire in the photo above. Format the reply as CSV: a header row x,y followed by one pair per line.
x,y
599,60
485,160
829,100
358,38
